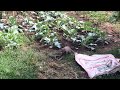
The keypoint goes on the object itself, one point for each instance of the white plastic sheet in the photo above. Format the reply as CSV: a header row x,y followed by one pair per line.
x,y
96,65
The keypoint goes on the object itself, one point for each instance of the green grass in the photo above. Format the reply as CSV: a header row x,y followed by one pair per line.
x,y
115,52
18,64
100,16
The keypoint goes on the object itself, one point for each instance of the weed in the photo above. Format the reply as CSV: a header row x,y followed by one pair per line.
x,y
18,64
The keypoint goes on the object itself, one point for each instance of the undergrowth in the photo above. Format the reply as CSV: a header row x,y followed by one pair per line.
x,y
53,25
18,64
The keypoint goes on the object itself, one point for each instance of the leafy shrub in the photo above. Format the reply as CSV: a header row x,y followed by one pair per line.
x,y
52,22
11,36
115,16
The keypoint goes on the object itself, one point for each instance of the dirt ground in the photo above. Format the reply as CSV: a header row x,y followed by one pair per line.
x,y
52,68
67,68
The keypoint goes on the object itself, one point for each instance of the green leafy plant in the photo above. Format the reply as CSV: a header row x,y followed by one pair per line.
x,y
52,22
115,17
12,36
12,20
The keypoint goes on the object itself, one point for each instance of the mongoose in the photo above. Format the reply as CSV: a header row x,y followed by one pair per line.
x,y
67,50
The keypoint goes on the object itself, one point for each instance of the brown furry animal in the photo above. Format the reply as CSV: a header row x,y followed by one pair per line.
x,y
62,52
67,50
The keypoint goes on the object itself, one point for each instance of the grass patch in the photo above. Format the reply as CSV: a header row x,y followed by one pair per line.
x,y
18,64
70,59
100,16
115,52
